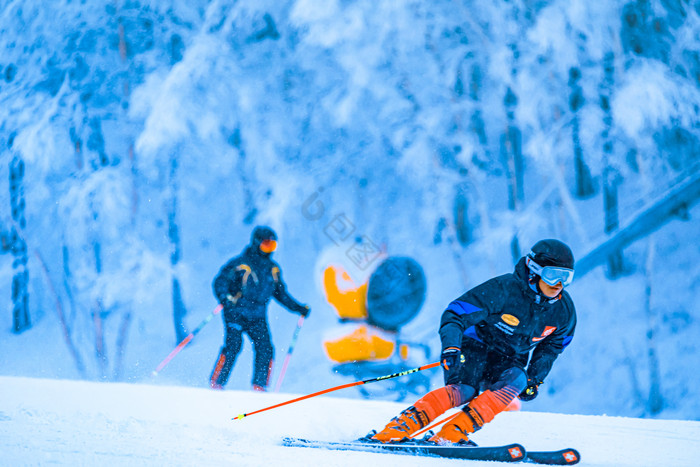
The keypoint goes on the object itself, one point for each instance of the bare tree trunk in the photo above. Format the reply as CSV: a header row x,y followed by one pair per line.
x,y
463,228
582,175
122,339
477,125
248,196
512,157
20,280
98,313
631,364
100,349
616,265
655,402
126,88
612,223
179,310
66,283
67,337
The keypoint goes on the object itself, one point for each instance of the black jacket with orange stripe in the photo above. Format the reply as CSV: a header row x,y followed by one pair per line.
x,y
246,283
512,318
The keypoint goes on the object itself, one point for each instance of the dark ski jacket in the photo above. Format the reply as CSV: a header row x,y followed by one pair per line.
x,y
511,318
246,283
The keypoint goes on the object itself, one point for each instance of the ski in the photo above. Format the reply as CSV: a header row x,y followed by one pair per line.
x,y
507,453
568,456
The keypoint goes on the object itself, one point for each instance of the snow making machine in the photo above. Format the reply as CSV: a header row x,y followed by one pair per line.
x,y
367,342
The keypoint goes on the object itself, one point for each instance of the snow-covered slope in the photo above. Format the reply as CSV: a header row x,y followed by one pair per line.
x,y
54,422
144,139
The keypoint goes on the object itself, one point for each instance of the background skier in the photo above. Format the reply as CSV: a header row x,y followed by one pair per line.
x,y
487,335
244,287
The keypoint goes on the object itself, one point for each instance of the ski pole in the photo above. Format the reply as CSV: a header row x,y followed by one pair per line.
x,y
438,422
289,353
343,386
186,341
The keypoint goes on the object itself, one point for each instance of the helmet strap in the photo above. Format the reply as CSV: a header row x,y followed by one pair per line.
x,y
534,282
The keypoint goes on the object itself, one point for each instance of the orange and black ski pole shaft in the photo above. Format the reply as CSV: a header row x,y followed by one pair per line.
x,y
289,353
186,341
433,425
342,386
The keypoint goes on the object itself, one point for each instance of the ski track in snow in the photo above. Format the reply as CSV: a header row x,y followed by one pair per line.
x,y
60,422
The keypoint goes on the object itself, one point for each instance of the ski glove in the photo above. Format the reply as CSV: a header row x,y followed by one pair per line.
x,y
450,360
229,299
530,392
305,311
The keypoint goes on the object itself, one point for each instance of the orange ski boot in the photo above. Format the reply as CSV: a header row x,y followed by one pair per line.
x,y
456,431
403,426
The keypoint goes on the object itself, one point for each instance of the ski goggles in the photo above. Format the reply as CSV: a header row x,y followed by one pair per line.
x,y
268,246
552,275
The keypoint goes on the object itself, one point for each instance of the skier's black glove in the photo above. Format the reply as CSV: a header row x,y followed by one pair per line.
x,y
228,300
451,360
305,310
530,392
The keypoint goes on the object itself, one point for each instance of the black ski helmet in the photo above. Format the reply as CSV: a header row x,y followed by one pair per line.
x,y
551,252
262,233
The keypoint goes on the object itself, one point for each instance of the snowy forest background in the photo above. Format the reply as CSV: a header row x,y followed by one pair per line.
x,y
141,141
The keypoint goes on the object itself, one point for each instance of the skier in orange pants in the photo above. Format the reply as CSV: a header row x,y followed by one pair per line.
x,y
499,341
